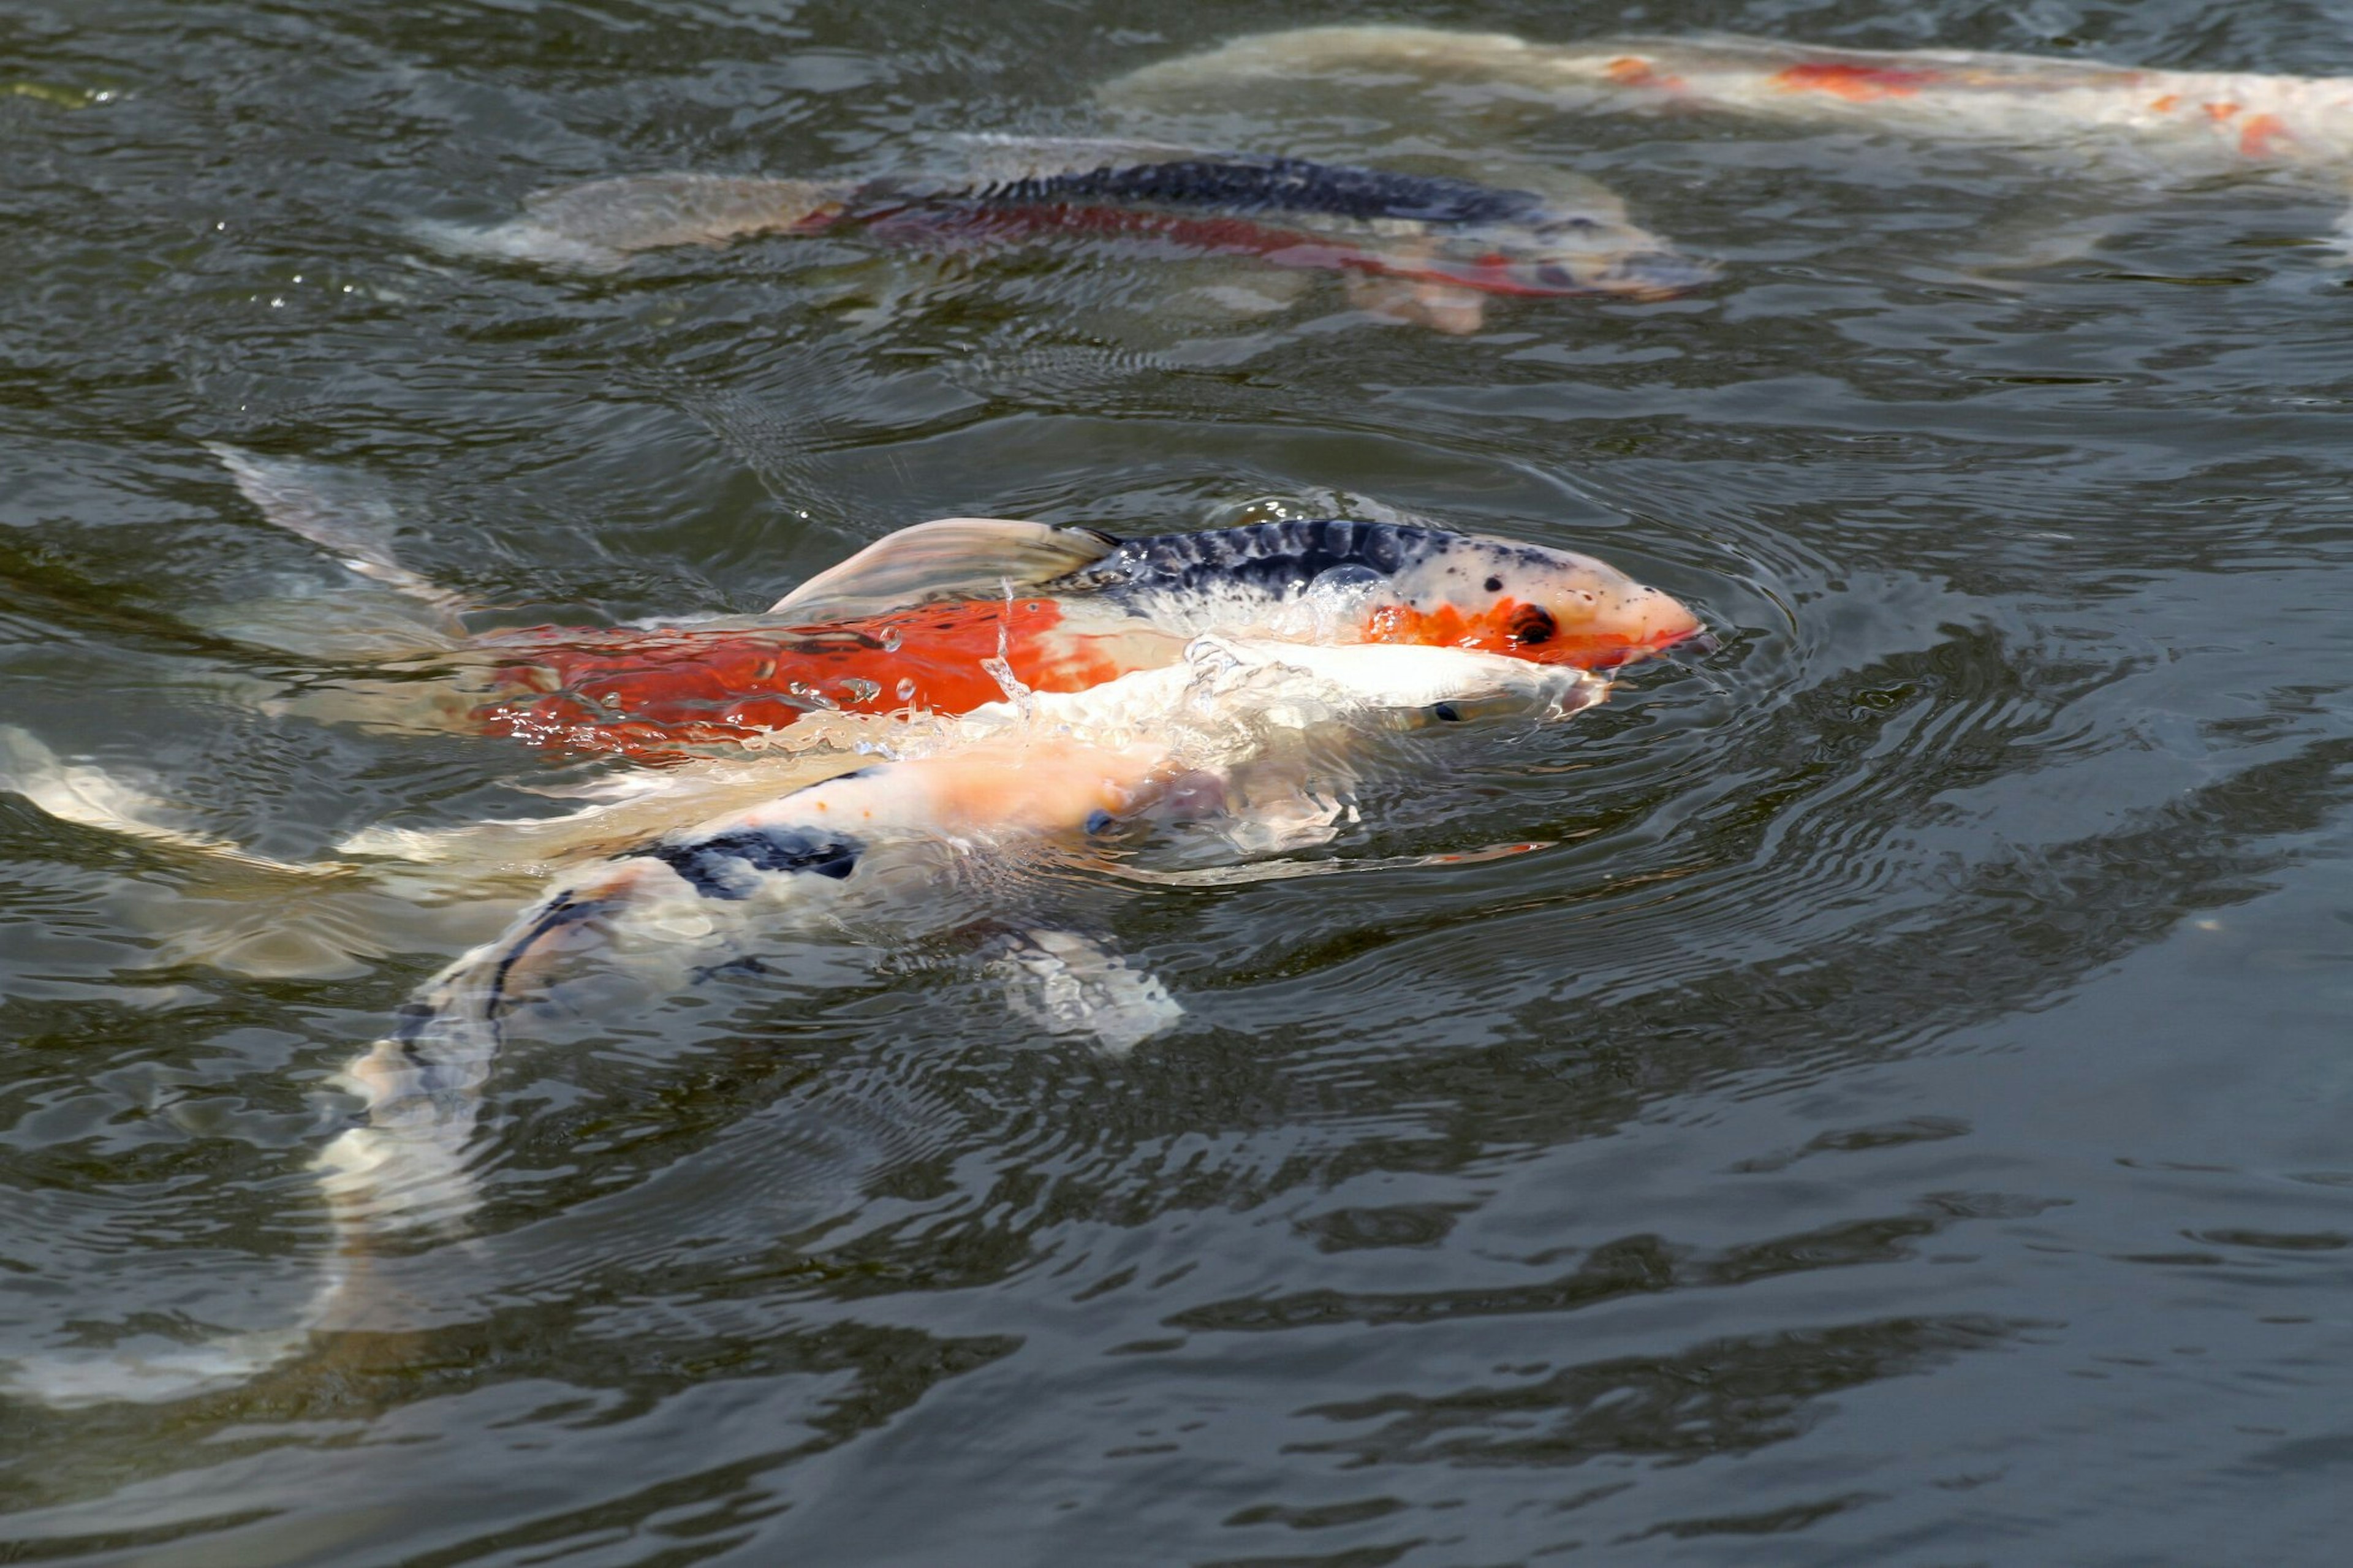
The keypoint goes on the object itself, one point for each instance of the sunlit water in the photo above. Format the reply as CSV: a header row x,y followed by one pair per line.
x,y
1901,1120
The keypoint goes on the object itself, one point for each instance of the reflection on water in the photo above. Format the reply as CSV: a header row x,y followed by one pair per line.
x,y
1898,1119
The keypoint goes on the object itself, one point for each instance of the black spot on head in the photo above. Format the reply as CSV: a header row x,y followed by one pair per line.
x,y
1445,712
1494,585
1532,626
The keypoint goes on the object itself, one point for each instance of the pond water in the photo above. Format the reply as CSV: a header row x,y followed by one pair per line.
x,y
1901,1118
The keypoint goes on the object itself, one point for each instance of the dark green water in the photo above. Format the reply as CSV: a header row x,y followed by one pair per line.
x,y
1904,1122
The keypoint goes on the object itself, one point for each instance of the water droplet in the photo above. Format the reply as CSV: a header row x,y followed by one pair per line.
x,y
907,689
890,640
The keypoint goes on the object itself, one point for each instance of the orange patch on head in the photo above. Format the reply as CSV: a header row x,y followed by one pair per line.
x,y
1508,627
2219,112
2165,105
1628,70
2260,136
1858,84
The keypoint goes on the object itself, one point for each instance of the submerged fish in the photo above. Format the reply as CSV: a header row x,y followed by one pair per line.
x,y
888,851
945,615
1443,243
2189,121
887,842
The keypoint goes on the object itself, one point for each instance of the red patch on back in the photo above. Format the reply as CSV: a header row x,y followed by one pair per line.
x,y
1859,84
652,695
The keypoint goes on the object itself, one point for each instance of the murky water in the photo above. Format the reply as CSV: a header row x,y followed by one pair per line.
x,y
1901,1120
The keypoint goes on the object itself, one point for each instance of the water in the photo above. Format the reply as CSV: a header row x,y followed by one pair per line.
x,y
1901,1122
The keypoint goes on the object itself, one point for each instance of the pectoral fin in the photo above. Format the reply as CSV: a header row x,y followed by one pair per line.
x,y
343,518
1070,984
952,557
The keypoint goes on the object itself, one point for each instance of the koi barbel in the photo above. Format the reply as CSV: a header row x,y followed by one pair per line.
x,y
1453,239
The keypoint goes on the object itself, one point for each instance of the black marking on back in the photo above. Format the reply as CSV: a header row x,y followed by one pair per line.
x,y
727,865
566,910
1243,185
1275,558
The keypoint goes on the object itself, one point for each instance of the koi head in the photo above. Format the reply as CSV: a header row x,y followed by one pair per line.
x,y
1336,580
1580,247
1550,607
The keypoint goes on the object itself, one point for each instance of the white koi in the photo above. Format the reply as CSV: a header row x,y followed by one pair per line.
x,y
2185,122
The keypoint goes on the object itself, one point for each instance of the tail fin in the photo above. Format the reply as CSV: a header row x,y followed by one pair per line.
x,y
594,227
89,797
64,1379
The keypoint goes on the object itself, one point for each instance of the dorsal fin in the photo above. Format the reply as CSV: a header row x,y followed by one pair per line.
x,y
961,557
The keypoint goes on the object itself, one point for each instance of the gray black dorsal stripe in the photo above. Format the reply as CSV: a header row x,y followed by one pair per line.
x,y
1275,558
728,865
1239,184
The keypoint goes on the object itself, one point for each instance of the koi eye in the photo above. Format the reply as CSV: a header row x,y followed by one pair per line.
x,y
1531,625
1445,712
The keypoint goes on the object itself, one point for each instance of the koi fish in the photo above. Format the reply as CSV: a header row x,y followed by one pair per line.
x,y
943,617
841,854
1444,244
2190,120
880,851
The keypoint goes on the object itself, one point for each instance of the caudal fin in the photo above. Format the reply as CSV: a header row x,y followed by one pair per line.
x,y
597,227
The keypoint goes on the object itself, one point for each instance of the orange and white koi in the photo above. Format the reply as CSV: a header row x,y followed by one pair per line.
x,y
651,693
1449,241
2191,121
941,616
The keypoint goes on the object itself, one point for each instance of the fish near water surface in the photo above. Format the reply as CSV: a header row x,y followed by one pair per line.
x,y
886,842
883,853
943,617
1328,581
2185,122
1424,248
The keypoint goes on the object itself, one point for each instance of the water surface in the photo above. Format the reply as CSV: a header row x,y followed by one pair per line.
x,y
1900,1122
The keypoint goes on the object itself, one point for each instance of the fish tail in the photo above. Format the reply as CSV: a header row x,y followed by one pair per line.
x,y
597,227
64,1380
89,796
